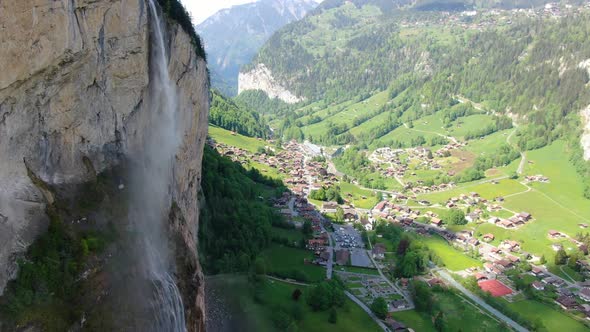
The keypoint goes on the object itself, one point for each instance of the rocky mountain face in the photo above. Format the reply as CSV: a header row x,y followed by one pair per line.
x,y
233,36
260,78
73,104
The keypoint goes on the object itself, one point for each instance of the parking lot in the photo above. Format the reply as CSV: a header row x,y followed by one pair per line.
x,y
349,238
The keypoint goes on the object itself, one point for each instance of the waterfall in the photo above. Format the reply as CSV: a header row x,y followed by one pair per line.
x,y
151,183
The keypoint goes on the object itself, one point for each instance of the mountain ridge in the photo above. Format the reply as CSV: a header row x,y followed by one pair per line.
x,y
234,35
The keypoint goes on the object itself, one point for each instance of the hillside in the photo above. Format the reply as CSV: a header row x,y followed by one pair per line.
x,y
227,114
233,36
369,73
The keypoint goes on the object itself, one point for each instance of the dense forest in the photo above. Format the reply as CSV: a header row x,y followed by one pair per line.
x,y
226,114
236,217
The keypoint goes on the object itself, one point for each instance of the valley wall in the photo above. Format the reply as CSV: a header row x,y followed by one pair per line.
x,y
73,93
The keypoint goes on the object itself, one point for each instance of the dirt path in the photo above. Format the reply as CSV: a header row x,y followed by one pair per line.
x,y
450,138
522,154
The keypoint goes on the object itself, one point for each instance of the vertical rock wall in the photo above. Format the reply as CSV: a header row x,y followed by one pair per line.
x,y
73,83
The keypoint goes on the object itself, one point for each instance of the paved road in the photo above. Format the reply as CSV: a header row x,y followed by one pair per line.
x,y
330,263
568,283
522,155
391,284
367,310
481,303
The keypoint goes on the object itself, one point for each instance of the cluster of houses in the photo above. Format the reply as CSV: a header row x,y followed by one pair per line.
x,y
484,19
513,222
536,178
409,219
389,162
447,149
421,189
570,303
568,298
474,199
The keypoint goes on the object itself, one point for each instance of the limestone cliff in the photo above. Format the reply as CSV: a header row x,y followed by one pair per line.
x,y
260,78
585,139
73,89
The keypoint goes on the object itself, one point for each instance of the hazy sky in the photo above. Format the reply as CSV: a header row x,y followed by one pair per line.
x,y
201,9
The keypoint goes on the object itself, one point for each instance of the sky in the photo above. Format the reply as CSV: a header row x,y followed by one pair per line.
x,y
202,9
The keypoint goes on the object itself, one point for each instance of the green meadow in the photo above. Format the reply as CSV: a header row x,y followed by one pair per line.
x,y
361,198
281,259
240,141
552,318
453,259
250,315
487,190
459,315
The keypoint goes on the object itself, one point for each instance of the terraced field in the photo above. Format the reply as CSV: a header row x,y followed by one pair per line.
x,y
344,113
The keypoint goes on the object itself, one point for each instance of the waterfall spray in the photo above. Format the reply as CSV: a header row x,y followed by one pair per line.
x,y
151,187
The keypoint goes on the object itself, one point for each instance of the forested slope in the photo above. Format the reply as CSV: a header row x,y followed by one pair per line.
x,y
226,114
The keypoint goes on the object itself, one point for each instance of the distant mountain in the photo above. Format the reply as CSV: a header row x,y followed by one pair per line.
x,y
233,36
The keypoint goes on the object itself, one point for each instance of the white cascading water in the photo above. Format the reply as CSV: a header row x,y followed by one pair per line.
x,y
151,187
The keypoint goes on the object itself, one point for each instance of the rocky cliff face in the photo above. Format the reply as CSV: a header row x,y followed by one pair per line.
x,y
260,78
73,92
585,140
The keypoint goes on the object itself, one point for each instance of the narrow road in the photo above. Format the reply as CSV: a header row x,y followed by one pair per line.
x,y
475,105
569,284
480,302
292,282
330,263
450,138
522,154
367,310
391,284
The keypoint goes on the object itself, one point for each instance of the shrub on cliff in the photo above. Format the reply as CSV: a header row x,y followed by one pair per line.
x,y
175,11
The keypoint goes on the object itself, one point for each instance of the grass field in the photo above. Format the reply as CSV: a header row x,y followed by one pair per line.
x,y
465,125
280,258
369,200
453,259
565,187
345,114
558,205
459,315
489,143
388,244
405,135
415,320
243,142
355,269
487,190
294,235
432,123
248,315
552,319
267,170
